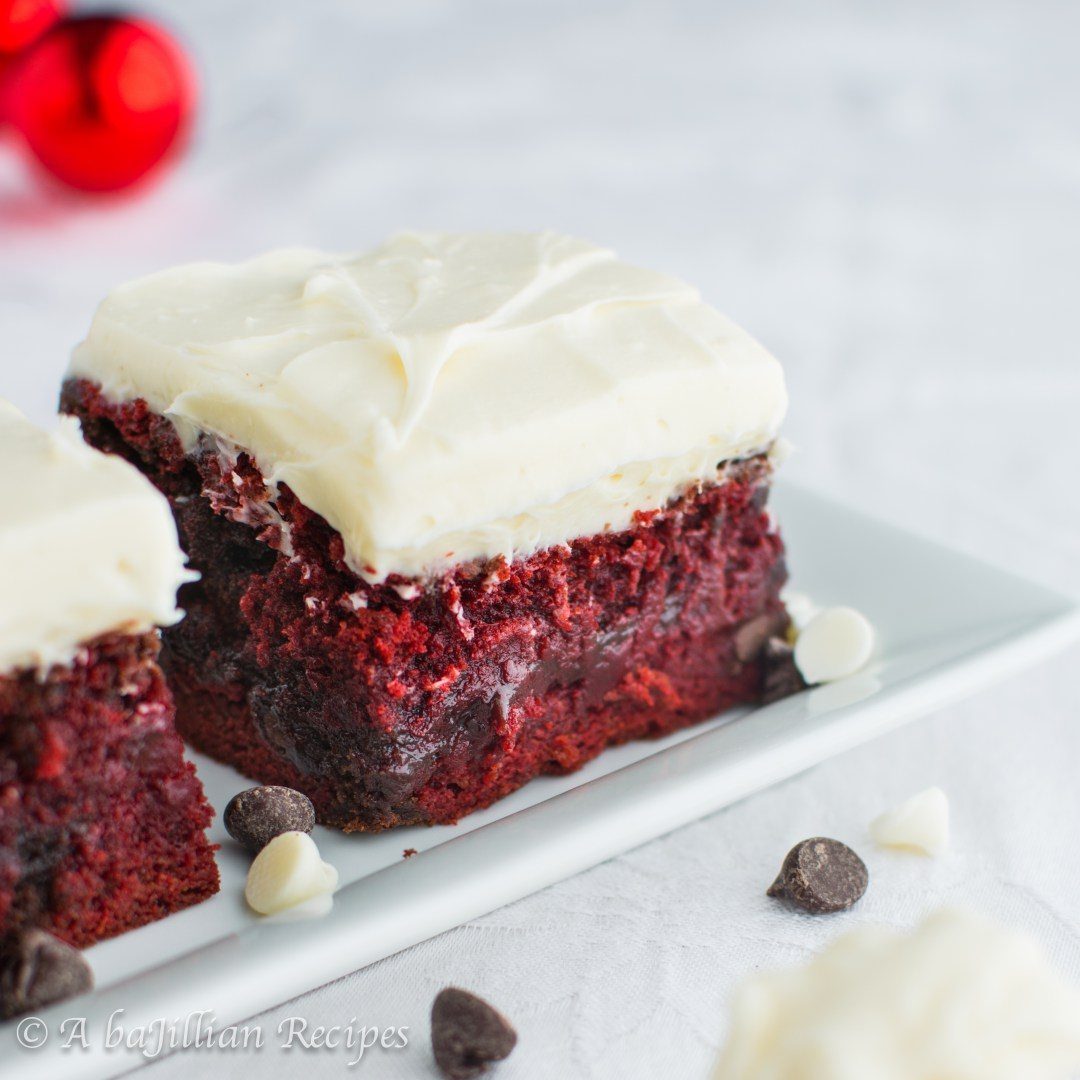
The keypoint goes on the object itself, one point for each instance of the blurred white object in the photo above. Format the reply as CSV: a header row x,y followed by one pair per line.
x,y
959,999
921,823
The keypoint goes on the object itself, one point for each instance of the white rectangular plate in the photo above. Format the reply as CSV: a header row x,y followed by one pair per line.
x,y
946,624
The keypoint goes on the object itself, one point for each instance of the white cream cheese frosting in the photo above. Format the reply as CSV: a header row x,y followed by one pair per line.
x,y
959,999
87,545
446,396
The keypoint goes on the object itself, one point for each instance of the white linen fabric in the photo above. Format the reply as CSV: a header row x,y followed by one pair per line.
x,y
888,197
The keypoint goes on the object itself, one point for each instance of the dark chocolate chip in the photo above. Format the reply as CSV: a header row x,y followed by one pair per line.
x,y
408,853
468,1034
821,876
782,677
751,637
254,817
37,969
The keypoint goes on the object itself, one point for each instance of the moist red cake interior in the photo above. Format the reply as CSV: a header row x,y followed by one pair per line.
x,y
101,819
404,702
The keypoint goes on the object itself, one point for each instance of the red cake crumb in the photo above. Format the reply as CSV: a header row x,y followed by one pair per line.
x,y
408,702
101,819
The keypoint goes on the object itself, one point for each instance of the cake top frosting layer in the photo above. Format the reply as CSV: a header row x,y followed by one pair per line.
x,y
87,545
446,396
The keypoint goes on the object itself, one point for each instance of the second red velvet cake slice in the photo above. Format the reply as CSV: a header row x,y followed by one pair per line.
x,y
101,819
467,509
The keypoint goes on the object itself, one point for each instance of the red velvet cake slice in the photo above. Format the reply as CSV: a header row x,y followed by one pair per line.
x,y
101,819
467,509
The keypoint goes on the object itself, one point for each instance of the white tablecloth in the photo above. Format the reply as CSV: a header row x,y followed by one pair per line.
x,y
886,194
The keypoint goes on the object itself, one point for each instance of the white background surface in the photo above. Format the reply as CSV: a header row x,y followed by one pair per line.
x,y
887,195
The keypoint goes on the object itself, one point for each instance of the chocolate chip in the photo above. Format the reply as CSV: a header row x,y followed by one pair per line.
x,y
408,853
37,969
256,816
782,677
750,638
821,876
467,1034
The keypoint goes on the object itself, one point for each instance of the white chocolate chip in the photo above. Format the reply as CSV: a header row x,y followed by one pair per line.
x,y
288,871
800,608
835,643
920,824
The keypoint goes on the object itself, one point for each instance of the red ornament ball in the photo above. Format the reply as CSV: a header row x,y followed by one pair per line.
x,y
21,21
101,100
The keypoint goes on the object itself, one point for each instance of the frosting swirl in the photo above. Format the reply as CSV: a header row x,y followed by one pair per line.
x,y
446,396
